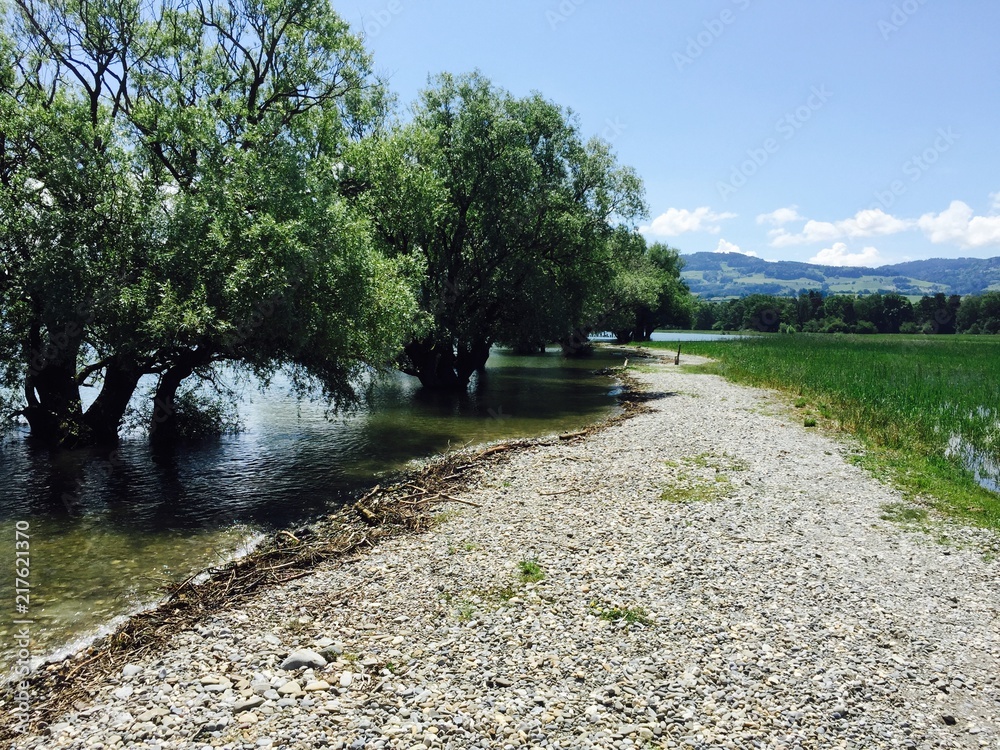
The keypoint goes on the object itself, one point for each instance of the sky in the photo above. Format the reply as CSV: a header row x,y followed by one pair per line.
x,y
843,132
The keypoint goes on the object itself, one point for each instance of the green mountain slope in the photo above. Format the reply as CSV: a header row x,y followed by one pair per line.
x,y
722,275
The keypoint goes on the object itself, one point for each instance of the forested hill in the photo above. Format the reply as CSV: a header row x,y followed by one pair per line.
x,y
720,275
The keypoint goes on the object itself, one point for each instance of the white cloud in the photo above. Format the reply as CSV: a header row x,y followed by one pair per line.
x,y
838,255
780,216
871,222
725,246
677,221
958,224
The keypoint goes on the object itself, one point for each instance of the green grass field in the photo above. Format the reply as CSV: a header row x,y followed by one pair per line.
x,y
927,408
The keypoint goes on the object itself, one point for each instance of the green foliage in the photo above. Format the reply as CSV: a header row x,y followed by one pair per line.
x,y
630,615
520,226
200,416
814,312
530,571
189,212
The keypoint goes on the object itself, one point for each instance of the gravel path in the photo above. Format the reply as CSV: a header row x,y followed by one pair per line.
x,y
715,576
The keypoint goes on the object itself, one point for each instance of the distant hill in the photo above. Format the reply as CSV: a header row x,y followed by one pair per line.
x,y
722,275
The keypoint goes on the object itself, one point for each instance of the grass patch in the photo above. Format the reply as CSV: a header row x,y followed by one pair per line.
x,y
700,478
926,408
903,513
444,517
809,422
696,491
466,612
631,615
531,571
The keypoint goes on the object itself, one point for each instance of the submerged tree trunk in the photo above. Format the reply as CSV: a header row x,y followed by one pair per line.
x,y
163,427
53,411
442,366
623,337
104,417
577,344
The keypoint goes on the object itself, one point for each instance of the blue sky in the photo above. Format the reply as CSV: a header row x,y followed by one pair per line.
x,y
850,132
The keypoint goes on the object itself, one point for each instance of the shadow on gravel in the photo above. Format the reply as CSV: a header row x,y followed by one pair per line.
x,y
642,397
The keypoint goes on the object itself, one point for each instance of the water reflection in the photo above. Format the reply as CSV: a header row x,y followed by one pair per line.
x,y
109,528
984,467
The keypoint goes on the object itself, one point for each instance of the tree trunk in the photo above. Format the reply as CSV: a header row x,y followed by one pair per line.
x,y
54,411
439,367
577,344
623,337
104,416
163,426
528,348
471,359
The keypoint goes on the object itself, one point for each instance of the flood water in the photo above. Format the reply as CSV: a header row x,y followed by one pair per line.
x,y
108,530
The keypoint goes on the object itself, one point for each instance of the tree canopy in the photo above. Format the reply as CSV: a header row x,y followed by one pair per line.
x,y
519,223
170,201
185,185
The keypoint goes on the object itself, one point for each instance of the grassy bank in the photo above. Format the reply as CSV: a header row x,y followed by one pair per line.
x,y
927,408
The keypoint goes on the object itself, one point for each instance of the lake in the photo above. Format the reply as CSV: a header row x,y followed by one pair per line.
x,y
109,529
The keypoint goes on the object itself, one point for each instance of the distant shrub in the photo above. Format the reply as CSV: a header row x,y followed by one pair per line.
x,y
835,325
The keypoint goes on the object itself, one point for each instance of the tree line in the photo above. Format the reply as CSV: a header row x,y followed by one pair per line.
x,y
186,185
814,312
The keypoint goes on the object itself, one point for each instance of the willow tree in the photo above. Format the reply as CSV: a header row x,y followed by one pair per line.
x,y
176,171
509,211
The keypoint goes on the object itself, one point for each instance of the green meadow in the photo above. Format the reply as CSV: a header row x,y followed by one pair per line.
x,y
927,408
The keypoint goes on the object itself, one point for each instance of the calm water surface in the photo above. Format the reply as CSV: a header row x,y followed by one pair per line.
x,y
109,530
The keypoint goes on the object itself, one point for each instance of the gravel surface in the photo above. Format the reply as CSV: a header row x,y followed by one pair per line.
x,y
715,576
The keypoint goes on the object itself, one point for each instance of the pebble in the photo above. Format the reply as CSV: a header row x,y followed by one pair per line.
x,y
770,606
303,658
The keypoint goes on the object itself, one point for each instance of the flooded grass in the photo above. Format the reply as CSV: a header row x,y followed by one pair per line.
x,y
926,407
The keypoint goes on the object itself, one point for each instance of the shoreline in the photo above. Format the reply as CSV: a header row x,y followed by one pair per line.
x,y
710,572
375,514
